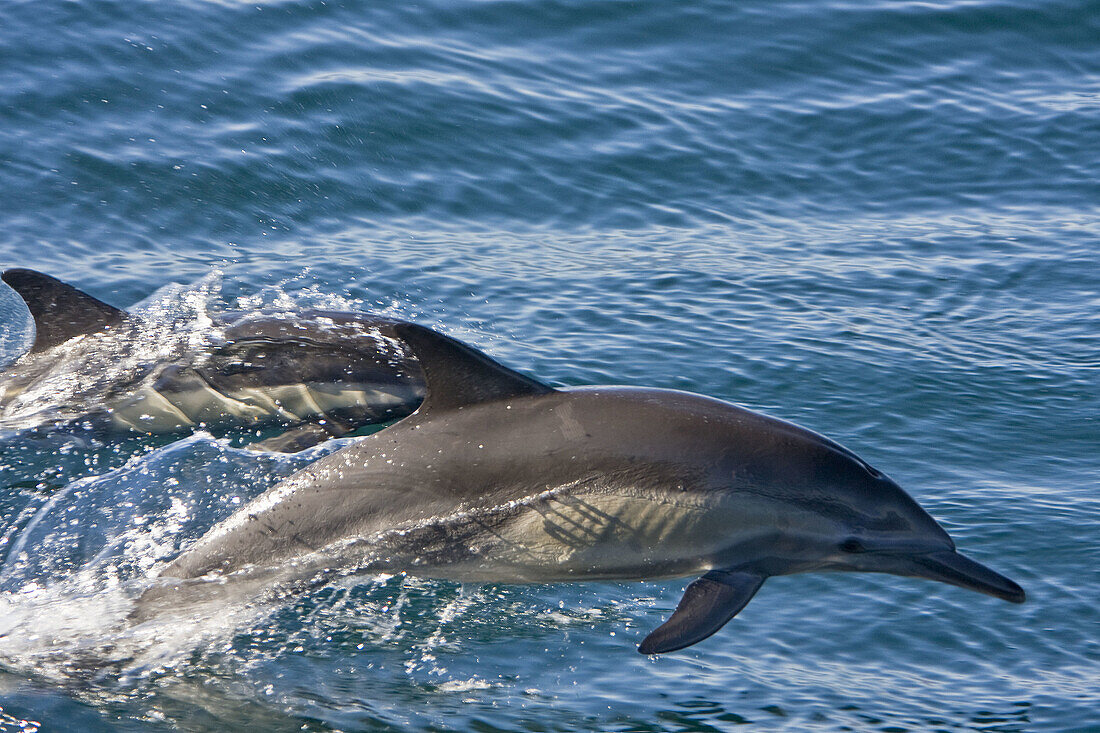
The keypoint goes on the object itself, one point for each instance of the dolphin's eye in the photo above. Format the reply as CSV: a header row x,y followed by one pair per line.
x,y
851,545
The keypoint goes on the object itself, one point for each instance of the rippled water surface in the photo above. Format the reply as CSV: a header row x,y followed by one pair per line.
x,y
876,219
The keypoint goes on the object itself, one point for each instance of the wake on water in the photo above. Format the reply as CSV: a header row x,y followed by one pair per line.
x,y
72,572
89,522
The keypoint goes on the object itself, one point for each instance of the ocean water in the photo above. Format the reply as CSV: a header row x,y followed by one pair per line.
x,y
880,220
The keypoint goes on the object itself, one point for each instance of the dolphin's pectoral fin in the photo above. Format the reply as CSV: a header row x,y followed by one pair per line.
x,y
707,605
456,375
60,311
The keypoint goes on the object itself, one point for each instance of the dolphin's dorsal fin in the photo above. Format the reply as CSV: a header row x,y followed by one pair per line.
x,y
457,375
60,311
707,605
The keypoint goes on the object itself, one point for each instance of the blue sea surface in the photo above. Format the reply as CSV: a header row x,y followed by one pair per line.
x,y
879,219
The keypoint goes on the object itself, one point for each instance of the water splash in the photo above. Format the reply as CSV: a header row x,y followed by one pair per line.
x,y
73,569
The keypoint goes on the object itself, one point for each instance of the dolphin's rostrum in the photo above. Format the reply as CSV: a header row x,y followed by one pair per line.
x,y
498,477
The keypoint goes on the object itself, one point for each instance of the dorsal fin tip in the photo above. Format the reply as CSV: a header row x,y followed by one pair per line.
x,y
457,375
59,310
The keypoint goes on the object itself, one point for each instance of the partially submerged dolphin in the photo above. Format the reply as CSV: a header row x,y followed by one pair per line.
x,y
315,373
500,478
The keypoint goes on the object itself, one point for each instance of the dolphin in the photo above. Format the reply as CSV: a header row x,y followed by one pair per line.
x,y
316,374
498,477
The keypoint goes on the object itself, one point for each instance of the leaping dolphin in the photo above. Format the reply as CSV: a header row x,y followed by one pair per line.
x,y
317,374
500,478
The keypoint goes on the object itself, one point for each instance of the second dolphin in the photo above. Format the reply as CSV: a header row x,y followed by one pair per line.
x,y
314,374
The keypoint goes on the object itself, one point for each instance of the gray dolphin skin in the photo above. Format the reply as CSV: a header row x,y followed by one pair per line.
x,y
500,478
316,374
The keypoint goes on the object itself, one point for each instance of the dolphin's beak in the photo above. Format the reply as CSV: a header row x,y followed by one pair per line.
x,y
948,566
